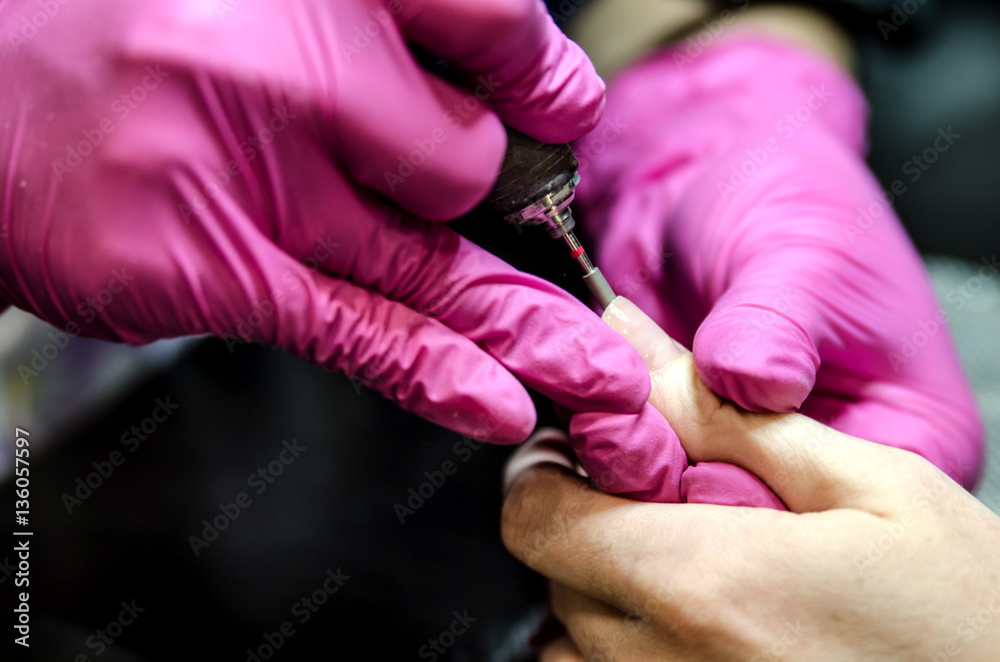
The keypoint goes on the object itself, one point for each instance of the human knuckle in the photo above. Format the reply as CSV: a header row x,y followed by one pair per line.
x,y
517,516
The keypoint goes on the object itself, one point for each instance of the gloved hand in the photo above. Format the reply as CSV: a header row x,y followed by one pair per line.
x,y
732,203
191,167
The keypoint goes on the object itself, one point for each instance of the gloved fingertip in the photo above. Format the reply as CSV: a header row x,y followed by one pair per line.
x,y
634,455
605,373
759,359
506,419
564,99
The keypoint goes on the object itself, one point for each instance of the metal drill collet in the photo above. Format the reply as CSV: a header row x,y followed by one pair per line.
x,y
550,211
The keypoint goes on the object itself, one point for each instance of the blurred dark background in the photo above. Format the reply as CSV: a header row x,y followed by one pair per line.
x,y
334,506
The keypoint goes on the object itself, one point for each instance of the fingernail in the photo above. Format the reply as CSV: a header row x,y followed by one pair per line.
x,y
656,347
546,445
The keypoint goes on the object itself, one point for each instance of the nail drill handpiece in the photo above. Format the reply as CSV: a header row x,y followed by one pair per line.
x,y
535,187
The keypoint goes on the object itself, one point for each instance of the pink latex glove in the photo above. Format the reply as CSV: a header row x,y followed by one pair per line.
x,y
793,279
195,166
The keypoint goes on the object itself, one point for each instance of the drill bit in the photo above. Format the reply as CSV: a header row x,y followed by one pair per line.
x,y
592,276
536,186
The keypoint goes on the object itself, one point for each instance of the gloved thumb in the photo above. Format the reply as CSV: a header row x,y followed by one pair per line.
x,y
755,349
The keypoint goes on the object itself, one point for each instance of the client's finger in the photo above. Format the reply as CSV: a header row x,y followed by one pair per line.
x,y
558,525
657,349
610,548
807,464
600,632
810,466
561,650
595,628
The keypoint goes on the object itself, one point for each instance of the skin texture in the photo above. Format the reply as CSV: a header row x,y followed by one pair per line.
x,y
868,564
275,188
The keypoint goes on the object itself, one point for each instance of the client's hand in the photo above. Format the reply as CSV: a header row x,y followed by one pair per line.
x,y
883,557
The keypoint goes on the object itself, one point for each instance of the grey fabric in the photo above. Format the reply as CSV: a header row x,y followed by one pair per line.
x,y
971,297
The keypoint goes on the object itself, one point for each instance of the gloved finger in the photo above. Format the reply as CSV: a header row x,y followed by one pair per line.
x,y
547,338
726,485
811,297
388,123
387,346
424,143
809,318
536,79
637,456
540,333
759,345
